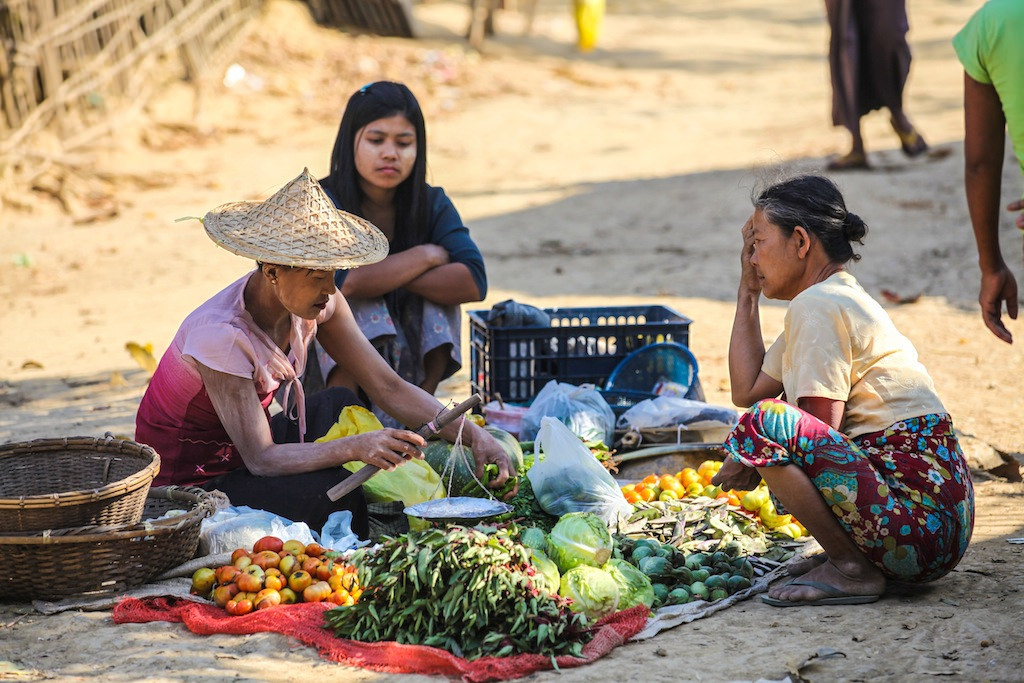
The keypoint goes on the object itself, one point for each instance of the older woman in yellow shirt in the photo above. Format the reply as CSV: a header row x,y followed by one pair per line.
x,y
859,448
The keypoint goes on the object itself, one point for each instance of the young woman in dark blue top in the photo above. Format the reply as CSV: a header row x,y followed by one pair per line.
x,y
408,305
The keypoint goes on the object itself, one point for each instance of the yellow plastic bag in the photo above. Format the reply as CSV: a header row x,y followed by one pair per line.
x,y
414,482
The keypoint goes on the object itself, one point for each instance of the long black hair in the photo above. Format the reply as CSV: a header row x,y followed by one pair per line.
x,y
814,202
381,100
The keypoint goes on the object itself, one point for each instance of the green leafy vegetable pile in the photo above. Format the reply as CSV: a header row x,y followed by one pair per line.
x,y
462,590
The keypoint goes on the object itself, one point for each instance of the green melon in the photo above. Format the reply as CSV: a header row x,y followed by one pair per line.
x,y
438,452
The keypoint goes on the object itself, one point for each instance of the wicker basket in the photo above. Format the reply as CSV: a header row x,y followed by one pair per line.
x,y
74,481
106,560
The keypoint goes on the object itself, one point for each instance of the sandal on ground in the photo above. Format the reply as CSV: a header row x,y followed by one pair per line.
x,y
850,162
911,142
835,596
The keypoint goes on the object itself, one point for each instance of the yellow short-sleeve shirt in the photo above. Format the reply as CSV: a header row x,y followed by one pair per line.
x,y
839,343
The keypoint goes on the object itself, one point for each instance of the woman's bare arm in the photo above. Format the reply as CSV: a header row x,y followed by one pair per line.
x,y
238,407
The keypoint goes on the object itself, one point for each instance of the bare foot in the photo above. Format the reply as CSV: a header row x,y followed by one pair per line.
x,y
805,564
853,580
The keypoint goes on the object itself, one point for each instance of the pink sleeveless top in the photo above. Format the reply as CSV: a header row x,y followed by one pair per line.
x,y
176,416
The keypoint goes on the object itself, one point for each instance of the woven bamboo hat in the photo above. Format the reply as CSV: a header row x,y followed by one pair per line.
x,y
298,226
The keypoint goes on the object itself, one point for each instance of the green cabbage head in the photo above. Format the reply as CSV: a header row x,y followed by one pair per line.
x,y
634,586
547,577
593,591
579,538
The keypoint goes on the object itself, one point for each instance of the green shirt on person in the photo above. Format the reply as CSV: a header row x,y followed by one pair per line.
x,y
991,48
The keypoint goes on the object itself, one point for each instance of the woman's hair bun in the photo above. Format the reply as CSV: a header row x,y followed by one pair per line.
x,y
854,229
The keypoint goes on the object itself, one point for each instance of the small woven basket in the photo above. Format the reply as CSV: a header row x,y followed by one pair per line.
x,y
74,481
94,561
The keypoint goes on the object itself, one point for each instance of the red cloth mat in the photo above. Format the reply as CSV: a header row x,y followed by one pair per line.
x,y
305,622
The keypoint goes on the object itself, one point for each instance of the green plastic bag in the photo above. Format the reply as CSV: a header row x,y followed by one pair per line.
x,y
414,482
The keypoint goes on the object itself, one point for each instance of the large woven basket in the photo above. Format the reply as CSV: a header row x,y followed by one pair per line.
x,y
74,481
93,560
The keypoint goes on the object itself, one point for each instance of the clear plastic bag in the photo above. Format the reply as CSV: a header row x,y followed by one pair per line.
x,y
671,411
241,526
581,408
566,477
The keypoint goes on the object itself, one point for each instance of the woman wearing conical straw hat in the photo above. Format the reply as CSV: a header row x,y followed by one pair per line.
x,y
206,408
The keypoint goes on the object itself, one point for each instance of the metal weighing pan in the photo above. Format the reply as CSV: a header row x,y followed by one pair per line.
x,y
458,510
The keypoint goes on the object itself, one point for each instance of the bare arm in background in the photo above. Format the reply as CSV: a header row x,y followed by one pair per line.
x,y
984,140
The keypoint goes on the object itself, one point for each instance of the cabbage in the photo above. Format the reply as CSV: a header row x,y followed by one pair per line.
x,y
634,587
579,538
534,538
593,591
547,577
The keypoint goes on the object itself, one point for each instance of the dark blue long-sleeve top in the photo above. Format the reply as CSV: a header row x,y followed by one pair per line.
x,y
446,230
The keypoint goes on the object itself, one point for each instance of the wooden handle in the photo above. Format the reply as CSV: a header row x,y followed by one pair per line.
x,y
359,477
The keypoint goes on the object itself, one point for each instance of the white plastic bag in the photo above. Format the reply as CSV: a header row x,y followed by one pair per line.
x,y
581,408
566,477
241,527
337,533
671,411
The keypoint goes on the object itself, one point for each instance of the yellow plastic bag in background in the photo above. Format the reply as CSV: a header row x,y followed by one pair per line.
x,y
414,482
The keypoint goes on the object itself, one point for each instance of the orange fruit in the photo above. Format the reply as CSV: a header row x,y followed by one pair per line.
x,y
667,482
648,493
688,476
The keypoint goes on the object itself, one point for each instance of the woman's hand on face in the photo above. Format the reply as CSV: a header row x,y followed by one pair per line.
x,y
733,475
387,448
434,254
748,275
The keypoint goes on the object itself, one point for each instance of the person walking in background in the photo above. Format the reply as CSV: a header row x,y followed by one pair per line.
x,y
991,48
869,60
409,304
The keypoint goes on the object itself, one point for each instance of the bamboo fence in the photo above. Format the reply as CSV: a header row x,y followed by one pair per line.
x,y
70,69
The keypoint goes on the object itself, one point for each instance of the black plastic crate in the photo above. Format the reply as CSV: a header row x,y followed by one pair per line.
x,y
582,345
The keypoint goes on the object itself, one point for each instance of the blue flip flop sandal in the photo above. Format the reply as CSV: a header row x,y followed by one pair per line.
x,y
835,596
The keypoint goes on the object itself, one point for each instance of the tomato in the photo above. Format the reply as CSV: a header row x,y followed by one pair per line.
x,y
203,581
227,573
649,480
274,582
668,495
266,598
268,543
315,550
338,597
242,562
266,559
631,497
249,583
317,592
238,607
222,595
288,596
310,565
288,565
300,581
628,488
294,547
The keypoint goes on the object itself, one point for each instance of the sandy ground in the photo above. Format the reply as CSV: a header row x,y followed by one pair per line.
x,y
618,177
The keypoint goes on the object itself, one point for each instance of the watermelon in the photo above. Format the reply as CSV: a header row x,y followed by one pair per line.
x,y
463,483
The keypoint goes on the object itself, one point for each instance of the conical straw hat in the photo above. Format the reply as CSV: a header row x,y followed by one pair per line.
x,y
298,226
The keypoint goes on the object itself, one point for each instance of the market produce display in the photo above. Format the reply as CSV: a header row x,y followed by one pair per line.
x,y
466,591
277,572
696,483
